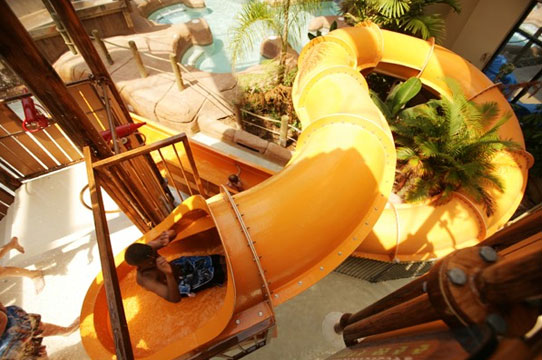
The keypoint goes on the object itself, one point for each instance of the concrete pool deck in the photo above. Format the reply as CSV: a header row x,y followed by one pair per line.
x,y
58,234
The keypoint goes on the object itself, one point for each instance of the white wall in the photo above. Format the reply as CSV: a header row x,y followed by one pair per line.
x,y
478,31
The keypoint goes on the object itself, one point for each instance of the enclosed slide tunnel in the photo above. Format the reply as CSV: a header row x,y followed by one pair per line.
x,y
285,234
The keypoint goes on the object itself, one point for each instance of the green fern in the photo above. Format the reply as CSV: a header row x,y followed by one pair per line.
x,y
406,16
445,145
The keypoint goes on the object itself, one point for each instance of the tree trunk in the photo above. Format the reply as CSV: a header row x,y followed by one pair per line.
x,y
284,42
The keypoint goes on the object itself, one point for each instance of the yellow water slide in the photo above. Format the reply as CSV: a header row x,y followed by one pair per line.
x,y
283,235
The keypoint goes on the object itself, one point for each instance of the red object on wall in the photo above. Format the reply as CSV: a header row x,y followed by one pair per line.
x,y
122,130
33,120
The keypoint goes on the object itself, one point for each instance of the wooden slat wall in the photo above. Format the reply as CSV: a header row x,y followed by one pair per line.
x,y
88,100
32,154
6,197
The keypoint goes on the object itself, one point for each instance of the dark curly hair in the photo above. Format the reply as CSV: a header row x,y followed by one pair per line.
x,y
137,253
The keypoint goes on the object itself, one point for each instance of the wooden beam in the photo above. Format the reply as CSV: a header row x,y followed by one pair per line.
x,y
8,180
24,58
195,173
419,310
516,231
119,326
71,21
407,292
6,197
514,278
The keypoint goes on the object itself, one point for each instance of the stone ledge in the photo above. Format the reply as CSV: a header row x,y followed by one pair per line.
x,y
250,141
320,22
147,7
277,153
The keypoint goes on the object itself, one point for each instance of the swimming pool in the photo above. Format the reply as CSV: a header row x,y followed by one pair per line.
x,y
220,15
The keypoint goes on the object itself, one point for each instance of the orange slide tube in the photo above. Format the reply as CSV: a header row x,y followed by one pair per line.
x,y
285,234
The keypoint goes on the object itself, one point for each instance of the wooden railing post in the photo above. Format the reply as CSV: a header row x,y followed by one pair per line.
x,y
137,58
283,139
119,327
102,46
177,72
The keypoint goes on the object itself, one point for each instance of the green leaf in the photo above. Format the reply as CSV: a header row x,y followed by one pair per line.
x,y
402,94
380,104
405,153
394,8
333,26
425,26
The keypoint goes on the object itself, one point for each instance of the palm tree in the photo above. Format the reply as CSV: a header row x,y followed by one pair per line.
x,y
280,17
443,146
406,16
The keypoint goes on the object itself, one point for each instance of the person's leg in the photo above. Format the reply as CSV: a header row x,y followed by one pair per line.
x,y
35,275
17,271
12,244
52,329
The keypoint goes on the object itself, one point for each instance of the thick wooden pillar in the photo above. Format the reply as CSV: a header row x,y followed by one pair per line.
x,y
67,14
23,57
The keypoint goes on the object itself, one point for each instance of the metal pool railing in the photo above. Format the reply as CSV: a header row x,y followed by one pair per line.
x,y
179,70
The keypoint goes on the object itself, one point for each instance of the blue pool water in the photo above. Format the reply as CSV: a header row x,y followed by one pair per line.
x,y
220,15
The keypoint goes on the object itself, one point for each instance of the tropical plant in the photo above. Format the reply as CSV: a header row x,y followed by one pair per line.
x,y
282,17
406,16
443,145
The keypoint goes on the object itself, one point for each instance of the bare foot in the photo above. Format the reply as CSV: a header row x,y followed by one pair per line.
x,y
39,281
14,243
171,234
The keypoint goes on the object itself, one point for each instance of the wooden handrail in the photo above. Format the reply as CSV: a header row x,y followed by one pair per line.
x,y
114,160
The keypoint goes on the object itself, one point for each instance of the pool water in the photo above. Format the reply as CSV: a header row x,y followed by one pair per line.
x,y
220,15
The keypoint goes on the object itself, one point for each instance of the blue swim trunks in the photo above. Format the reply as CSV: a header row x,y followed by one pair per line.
x,y
195,273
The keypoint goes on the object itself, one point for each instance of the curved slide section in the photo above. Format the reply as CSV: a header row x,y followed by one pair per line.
x,y
304,221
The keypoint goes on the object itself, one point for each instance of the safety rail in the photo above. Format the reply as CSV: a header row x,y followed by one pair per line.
x,y
178,70
222,102
108,163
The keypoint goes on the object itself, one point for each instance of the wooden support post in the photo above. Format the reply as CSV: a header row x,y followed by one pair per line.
x,y
67,14
190,156
516,231
138,60
283,130
177,72
23,57
119,326
513,279
102,46
407,292
419,310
